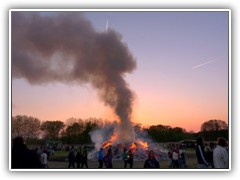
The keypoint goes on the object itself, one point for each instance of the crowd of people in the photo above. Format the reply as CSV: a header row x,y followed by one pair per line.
x,y
25,158
208,156
78,156
211,155
176,156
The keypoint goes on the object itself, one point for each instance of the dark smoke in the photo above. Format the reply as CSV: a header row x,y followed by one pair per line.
x,y
64,47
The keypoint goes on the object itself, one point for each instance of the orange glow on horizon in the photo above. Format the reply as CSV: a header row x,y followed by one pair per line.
x,y
149,108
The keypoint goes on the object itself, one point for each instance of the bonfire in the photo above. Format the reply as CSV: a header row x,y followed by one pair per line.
x,y
139,147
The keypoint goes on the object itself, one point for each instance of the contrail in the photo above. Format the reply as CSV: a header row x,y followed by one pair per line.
x,y
107,26
203,64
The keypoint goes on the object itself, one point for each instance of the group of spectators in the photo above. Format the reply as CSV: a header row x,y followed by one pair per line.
x,y
176,156
25,158
212,156
78,156
127,157
208,156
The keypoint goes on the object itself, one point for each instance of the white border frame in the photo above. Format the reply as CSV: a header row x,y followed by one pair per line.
x,y
126,10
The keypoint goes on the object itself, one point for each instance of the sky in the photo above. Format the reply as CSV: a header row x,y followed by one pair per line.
x,y
181,77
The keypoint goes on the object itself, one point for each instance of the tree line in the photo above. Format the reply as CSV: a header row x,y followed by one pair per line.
x,y
35,131
210,131
75,131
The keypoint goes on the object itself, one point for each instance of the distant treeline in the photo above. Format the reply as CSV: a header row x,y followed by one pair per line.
x,y
162,133
76,131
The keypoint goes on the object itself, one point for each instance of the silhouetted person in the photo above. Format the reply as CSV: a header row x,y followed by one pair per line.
x,y
201,154
130,158
151,162
84,158
71,158
22,157
220,154
108,159
124,156
184,163
100,158
209,155
79,158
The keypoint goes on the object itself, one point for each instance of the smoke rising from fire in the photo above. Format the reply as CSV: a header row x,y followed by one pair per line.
x,y
64,47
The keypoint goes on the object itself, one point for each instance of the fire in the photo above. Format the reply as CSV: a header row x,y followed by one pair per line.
x,y
143,144
133,146
110,141
106,144
113,137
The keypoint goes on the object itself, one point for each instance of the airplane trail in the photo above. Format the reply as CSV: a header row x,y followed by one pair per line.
x,y
203,64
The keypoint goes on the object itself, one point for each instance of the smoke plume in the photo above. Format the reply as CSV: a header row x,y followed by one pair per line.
x,y
64,47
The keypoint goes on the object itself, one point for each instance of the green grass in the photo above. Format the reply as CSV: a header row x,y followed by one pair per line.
x,y
60,154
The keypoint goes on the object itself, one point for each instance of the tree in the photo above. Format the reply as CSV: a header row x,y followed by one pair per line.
x,y
214,125
74,130
26,126
52,129
162,133
89,126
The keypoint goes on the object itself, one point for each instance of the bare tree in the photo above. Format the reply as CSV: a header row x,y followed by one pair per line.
x,y
214,125
26,126
52,128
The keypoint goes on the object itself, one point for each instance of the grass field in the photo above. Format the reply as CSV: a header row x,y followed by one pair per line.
x,y
59,161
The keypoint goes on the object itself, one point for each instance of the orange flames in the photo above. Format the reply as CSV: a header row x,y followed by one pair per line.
x,y
106,144
113,137
143,144
110,141
134,145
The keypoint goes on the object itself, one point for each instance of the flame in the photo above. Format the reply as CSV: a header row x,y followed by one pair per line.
x,y
133,146
106,144
143,144
113,137
110,141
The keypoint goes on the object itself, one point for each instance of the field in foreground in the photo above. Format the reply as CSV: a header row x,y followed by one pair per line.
x,y
59,161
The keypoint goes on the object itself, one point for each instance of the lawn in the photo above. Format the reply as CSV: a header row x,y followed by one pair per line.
x,y
59,161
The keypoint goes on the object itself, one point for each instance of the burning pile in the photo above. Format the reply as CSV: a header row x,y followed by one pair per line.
x,y
139,147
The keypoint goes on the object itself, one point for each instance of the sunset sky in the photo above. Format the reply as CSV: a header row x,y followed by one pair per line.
x,y
181,77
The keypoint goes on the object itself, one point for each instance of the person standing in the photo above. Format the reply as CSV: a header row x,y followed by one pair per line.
x,y
44,160
79,158
124,156
130,158
108,159
175,156
209,155
84,158
100,158
71,158
151,162
170,153
220,154
22,157
201,154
